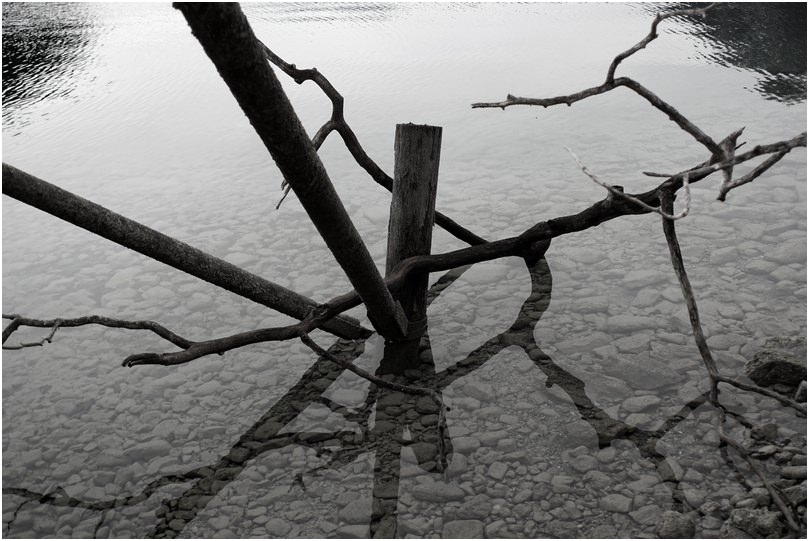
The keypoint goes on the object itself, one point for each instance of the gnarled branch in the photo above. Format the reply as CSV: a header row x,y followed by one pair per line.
x,y
338,123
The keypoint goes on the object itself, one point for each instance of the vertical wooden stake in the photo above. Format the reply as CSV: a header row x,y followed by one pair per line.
x,y
412,209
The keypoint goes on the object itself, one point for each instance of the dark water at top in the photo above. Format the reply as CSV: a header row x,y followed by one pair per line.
x,y
576,392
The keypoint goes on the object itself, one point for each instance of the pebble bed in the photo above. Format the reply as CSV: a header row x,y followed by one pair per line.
x,y
258,443
524,463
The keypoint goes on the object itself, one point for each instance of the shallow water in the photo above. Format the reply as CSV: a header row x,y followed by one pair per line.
x,y
561,426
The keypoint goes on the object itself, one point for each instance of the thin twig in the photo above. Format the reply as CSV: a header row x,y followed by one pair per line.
x,y
764,392
338,123
619,192
47,339
667,205
611,83
752,175
653,34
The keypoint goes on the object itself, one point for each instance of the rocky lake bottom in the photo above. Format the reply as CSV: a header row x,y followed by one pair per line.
x,y
574,410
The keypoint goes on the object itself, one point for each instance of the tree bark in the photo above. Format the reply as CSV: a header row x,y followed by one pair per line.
x,y
412,209
135,236
229,41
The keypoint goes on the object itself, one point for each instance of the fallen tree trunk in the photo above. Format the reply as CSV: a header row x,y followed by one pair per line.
x,y
229,41
135,236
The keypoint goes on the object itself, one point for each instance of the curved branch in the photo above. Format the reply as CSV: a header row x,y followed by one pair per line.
x,y
653,34
338,123
607,209
611,82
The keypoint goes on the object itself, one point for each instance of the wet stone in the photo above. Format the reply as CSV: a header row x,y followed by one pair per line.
x,y
437,492
465,444
356,512
646,515
794,472
477,507
277,527
616,503
480,391
497,470
584,463
674,525
491,439
354,532
149,449
637,404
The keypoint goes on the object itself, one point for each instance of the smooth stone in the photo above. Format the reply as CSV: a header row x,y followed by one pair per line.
x,y
465,444
149,449
480,391
354,531
476,507
437,492
781,360
794,472
277,527
357,511
491,439
348,396
463,529
637,279
616,503
497,470
583,464
646,515
628,323
674,525
636,404
796,494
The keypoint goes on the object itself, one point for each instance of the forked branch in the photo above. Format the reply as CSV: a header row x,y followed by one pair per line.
x,y
338,123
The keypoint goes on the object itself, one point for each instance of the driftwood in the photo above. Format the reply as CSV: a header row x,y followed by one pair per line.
x,y
242,61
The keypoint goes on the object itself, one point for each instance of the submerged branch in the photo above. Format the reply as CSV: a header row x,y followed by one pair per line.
x,y
667,205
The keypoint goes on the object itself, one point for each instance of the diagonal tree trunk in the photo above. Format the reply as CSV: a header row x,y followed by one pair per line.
x,y
229,41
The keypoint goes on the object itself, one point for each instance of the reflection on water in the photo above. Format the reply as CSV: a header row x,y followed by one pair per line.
x,y
45,49
577,416
767,38
356,12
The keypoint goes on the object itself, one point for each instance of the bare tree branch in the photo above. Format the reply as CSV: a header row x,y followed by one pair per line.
x,y
667,204
653,34
338,123
618,191
179,255
752,175
611,82
228,40
21,321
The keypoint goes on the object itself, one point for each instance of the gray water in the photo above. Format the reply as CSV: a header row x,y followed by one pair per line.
x,y
118,103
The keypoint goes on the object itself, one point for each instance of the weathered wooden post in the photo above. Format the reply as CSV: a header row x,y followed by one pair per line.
x,y
417,150
410,229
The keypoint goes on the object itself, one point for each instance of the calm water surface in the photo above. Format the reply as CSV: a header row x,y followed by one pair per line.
x,y
565,426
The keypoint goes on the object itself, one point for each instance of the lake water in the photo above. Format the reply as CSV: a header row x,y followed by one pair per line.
x,y
581,438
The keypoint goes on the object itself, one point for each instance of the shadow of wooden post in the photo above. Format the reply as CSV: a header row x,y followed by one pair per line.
x,y
410,231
